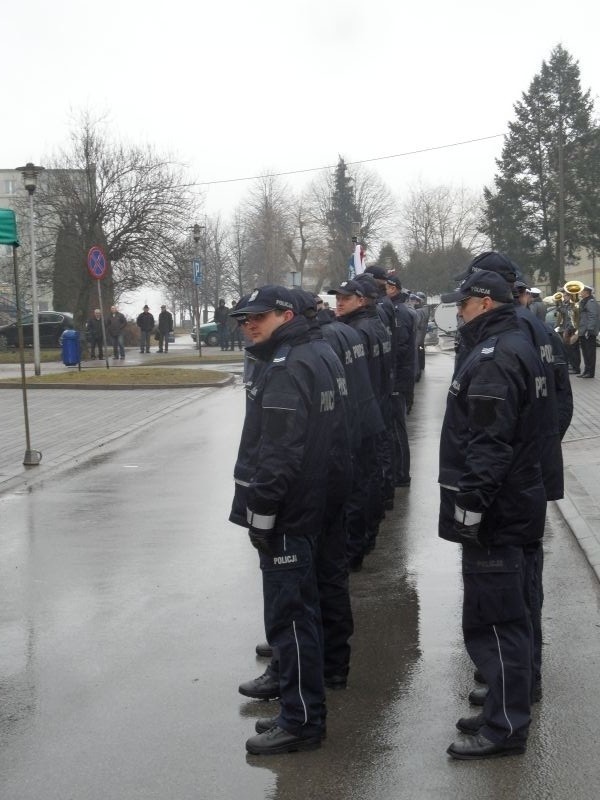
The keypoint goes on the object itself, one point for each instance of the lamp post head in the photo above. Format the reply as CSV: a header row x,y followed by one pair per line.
x,y
30,174
196,232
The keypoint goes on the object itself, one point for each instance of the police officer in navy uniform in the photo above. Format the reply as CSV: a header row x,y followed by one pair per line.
x,y
332,556
555,415
387,314
493,503
404,378
349,346
355,306
293,432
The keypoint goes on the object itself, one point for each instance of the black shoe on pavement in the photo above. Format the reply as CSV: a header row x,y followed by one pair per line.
x,y
265,687
336,682
355,564
478,677
472,747
266,723
477,696
276,740
264,650
470,725
583,375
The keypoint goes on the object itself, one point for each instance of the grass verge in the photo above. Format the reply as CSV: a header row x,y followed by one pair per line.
x,y
123,377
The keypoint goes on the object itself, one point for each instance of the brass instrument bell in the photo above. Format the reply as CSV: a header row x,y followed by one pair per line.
x,y
573,287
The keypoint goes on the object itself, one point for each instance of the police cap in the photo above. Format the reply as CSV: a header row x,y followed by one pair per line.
x,y
492,261
352,287
267,298
481,284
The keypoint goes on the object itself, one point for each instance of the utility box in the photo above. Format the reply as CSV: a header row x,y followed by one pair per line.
x,y
71,348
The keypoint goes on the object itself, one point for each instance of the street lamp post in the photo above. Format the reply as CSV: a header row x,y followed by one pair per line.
x,y
196,234
30,174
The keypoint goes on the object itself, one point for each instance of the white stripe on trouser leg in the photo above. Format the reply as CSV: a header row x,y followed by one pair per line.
x,y
300,675
503,686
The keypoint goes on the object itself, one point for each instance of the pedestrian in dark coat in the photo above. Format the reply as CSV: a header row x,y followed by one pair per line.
x,y
165,327
145,323
115,328
95,333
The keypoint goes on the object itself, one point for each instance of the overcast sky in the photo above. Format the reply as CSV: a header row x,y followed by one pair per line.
x,y
235,88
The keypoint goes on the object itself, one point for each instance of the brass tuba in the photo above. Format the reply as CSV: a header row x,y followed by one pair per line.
x,y
571,306
573,287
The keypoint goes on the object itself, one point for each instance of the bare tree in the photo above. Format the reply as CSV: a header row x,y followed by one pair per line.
x,y
125,198
439,218
297,245
237,245
267,222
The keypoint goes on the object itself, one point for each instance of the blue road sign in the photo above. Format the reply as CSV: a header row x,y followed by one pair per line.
x,y
96,262
197,272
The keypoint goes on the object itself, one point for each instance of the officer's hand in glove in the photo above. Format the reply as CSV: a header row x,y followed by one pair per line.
x,y
262,540
466,526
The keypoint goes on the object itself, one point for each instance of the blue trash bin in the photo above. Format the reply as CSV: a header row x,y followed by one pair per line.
x,y
71,348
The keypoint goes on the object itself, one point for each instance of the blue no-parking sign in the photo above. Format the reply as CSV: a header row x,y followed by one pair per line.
x,y
96,262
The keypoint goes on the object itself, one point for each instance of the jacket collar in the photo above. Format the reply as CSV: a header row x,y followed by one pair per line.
x,y
293,332
497,320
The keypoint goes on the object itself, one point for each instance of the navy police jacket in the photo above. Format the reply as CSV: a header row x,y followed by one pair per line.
x,y
490,443
406,348
294,442
349,347
554,409
378,348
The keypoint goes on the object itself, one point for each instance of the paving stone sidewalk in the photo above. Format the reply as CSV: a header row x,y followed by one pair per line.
x,y
581,455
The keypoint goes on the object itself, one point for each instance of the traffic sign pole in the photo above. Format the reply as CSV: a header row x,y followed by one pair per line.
x,y
103,327
97,266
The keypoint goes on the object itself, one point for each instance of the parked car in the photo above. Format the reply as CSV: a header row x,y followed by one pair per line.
x,y
51,327
208,334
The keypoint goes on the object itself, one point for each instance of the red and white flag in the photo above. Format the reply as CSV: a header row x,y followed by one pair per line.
x,y
359,259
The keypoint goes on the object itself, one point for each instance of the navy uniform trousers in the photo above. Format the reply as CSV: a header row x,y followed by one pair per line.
x,y
334,596
334,593
400,438
293,629
498,636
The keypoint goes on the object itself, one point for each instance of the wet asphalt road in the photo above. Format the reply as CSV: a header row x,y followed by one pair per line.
x,y
130,608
